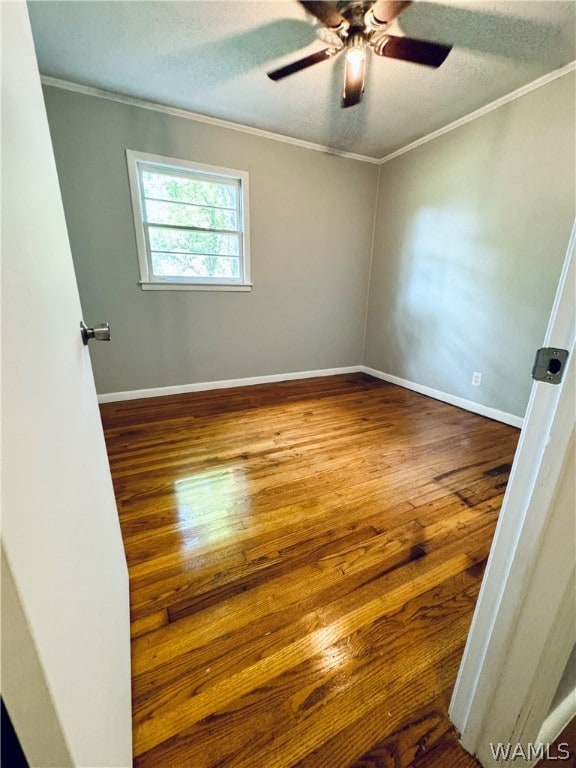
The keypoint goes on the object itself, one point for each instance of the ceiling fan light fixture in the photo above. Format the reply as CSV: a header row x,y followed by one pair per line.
x,y
356,58
354,70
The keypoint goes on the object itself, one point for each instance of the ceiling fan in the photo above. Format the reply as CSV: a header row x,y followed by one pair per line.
x,y
355,27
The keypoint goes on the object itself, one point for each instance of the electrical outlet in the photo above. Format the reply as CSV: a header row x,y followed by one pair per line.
x,y
476,379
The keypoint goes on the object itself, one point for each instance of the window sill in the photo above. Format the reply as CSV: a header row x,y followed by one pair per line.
x,y
196,286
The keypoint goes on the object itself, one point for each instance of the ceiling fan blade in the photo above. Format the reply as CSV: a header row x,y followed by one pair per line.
x,y
307,61
416,51
384,11
326,12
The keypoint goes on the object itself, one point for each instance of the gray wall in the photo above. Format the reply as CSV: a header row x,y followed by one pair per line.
x,y
472,229
311,231
471,232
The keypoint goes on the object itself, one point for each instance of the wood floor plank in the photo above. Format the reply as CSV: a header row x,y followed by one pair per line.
x,y
309,693
167,721
304,559
311,586
411,737
413,669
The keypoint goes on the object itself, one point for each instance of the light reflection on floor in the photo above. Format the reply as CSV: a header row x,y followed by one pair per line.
x,y
212,500
331,655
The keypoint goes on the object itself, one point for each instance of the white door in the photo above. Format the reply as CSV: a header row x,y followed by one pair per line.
x,y
524,627
62,549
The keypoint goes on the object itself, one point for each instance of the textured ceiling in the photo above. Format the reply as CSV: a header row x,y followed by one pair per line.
x,y
211,57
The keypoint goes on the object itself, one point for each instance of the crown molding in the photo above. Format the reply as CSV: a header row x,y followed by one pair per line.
x,y
68,85
544,80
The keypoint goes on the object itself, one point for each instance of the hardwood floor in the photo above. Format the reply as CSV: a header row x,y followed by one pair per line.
x,y
304,561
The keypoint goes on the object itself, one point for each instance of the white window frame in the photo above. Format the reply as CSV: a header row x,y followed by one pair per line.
x,y
148,281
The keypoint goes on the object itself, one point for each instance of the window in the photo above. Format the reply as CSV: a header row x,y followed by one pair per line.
x,y
191,224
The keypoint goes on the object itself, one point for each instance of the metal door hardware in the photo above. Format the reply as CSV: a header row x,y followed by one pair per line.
x,y
99,332
549,365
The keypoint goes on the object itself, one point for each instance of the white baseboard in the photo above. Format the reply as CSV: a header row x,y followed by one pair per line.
x,y
445,397
179,389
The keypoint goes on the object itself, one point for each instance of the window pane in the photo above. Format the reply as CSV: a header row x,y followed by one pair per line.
x,y
195,191
190,215
193,242
189,265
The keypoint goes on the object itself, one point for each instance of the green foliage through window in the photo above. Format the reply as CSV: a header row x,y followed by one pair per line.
x,y
192,225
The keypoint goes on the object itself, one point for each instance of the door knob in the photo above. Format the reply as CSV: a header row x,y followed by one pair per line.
x,y
99,332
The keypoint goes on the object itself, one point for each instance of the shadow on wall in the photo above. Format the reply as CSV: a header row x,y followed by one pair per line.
x,y
446,309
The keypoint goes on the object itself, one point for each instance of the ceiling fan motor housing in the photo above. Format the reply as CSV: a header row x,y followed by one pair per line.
x,y
355,14
351,27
